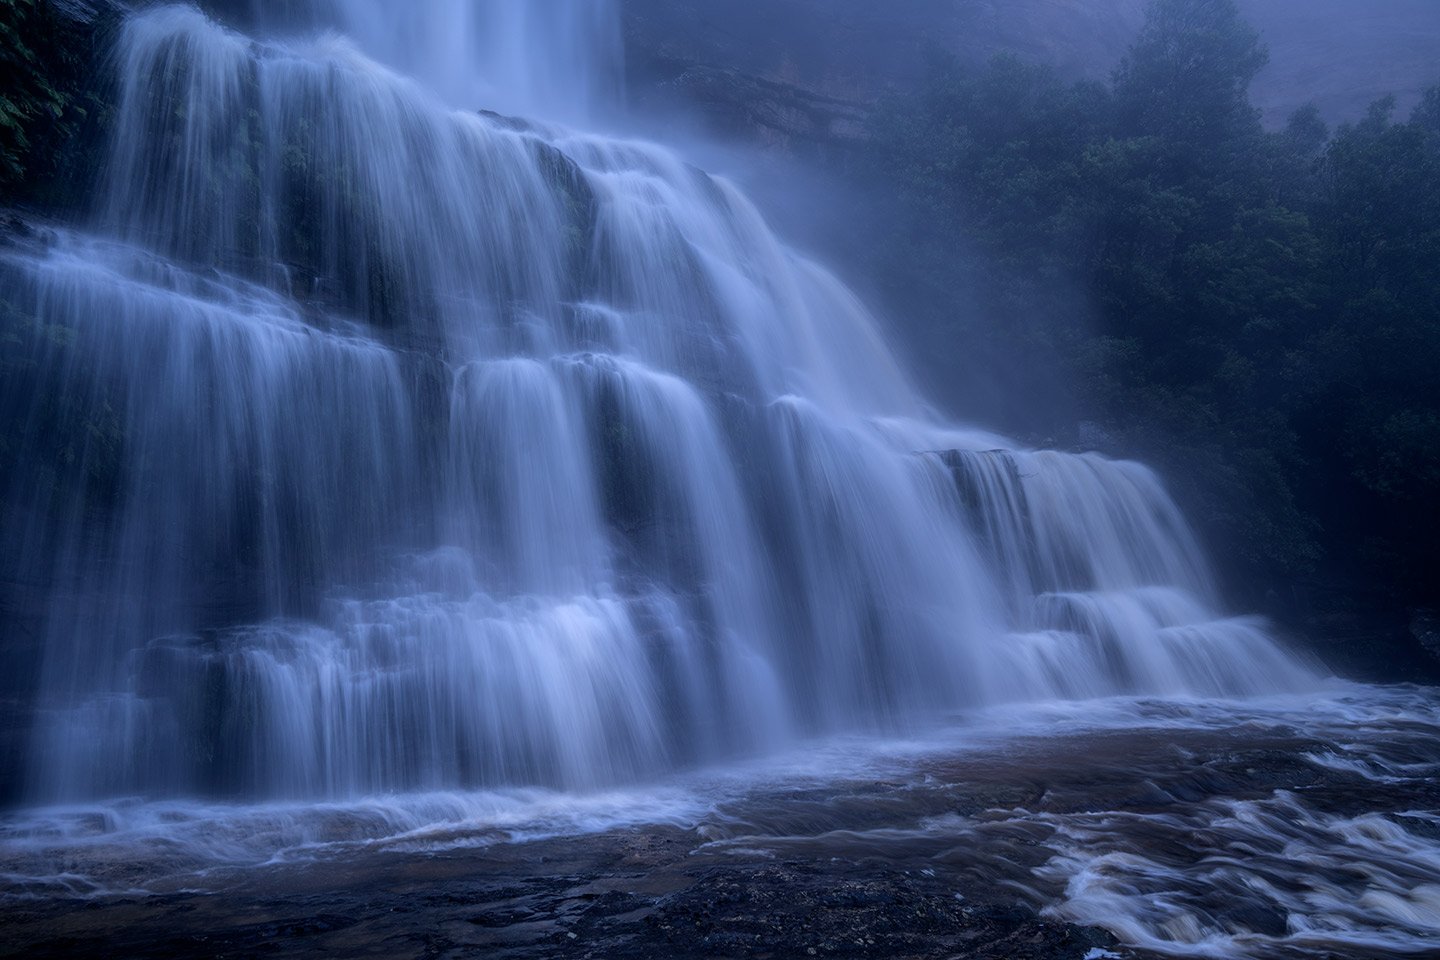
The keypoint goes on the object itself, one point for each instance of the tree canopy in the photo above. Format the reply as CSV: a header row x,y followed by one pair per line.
x,y
1256,312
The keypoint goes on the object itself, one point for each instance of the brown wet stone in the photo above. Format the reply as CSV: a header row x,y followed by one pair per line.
x,y
629,894
856,868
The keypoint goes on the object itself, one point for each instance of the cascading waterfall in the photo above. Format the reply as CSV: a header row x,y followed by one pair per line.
x,y
370,444
556,58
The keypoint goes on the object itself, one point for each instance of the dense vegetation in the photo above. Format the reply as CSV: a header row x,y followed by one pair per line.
x,y
49,105
52,110
1256,312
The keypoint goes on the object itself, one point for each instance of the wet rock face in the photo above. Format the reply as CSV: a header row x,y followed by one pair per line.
x,y
748,67
744,106
1425,628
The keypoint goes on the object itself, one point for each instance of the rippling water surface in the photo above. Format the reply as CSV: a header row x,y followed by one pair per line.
x,y
1305,825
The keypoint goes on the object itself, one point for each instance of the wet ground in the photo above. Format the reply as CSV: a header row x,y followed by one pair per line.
x,y
633,894
1134,830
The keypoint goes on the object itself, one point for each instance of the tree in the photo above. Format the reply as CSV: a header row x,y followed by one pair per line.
x,y
1187,80
1253,312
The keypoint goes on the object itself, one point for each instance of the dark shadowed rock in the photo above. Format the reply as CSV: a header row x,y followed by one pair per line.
x,y
1425,628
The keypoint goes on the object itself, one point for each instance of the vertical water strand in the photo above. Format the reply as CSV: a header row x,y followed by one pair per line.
x,y
381,445
522,487
556,59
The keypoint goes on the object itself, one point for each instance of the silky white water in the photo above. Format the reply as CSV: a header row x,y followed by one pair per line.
x,y
1289,826
435,449
375,445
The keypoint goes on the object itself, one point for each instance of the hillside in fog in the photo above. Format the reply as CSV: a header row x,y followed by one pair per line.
x,y
1338,54
1341,54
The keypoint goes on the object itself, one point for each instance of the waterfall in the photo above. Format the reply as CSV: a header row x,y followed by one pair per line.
x,y
560,59
364,442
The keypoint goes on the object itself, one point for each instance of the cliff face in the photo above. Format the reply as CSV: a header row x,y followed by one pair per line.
x,y
854,48
1343,55
793,72
801,73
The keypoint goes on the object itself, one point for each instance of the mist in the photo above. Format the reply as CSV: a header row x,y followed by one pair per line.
x,y
555,478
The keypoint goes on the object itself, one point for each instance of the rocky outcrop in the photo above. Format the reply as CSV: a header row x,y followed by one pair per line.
x,y
745,106
804,72
855,49
801,74
1425,628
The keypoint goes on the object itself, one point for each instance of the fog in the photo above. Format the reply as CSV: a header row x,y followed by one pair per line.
x,y
1340,54
778,95
669,478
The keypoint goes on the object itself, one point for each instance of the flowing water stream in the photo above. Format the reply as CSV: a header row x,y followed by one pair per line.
x,y
389,466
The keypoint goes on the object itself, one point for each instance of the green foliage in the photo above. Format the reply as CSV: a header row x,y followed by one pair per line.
x,y
46,57
1187,80
1255,312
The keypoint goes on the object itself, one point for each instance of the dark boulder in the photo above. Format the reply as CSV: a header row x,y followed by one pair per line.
x,y
1425,628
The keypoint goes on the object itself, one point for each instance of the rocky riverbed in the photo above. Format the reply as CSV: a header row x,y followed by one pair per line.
x,y
636,893
1308,827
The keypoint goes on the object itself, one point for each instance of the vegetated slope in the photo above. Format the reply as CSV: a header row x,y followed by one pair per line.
x,y
726,56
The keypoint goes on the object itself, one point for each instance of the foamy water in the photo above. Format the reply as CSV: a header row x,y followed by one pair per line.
x,y
402,478
1299,825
